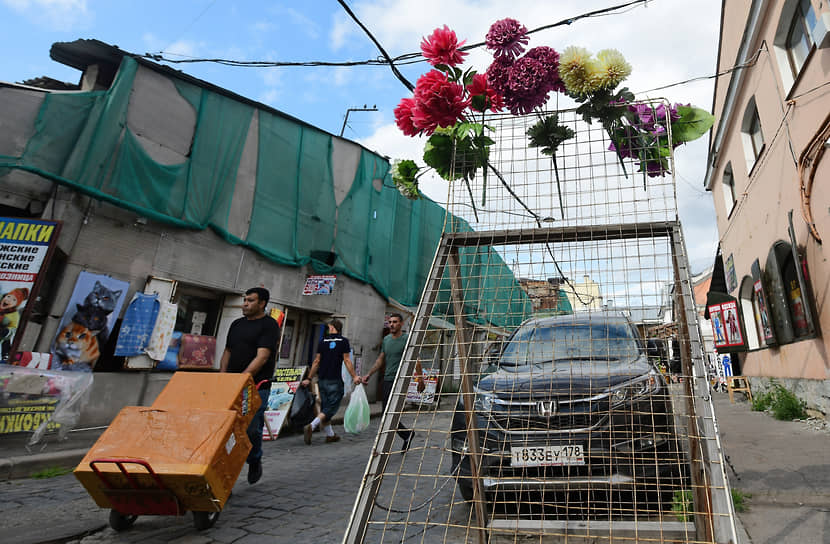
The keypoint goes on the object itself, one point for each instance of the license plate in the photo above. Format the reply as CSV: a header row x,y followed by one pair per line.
x,y
547,456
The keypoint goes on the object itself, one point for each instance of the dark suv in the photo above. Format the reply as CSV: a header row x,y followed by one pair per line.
x,y
570,402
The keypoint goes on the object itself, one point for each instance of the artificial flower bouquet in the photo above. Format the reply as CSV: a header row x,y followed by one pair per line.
x,y
447,101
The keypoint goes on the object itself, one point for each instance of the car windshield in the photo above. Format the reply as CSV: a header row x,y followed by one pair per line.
x,y
567,342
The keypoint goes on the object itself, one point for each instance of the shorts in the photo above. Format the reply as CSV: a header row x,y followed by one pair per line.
x,y
331,393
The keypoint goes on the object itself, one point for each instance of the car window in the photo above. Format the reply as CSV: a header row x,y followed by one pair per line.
x,y
516,352
567,342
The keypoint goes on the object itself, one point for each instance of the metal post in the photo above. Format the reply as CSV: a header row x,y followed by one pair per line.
x,y
462,338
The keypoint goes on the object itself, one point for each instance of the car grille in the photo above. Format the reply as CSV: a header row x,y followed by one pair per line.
x,y
561,422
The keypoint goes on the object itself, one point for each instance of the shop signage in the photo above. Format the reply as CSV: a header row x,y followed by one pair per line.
x,y
26,246
761,309
427,396
726,325
286,381
319,285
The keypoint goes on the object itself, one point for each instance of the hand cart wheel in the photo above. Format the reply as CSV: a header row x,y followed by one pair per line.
x,y
121,522
204,520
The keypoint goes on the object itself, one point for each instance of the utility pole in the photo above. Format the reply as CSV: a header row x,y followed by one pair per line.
x,y
348,111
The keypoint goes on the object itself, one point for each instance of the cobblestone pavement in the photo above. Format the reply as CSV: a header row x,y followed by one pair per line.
x,y
305,491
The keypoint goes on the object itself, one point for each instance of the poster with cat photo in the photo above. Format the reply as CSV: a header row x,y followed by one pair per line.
x,y
86,324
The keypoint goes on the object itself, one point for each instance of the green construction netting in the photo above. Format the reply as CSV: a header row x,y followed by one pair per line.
x,y
81,140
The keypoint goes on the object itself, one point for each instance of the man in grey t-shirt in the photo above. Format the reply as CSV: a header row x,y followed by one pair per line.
x,y
391,352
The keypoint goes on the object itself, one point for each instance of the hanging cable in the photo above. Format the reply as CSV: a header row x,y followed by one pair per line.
x,y
394,68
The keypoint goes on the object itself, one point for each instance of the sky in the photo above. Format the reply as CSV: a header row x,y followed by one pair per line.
x,y
665,41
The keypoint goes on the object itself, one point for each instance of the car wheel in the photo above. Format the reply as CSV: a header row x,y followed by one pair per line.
x,y
466,490
121,522
204,520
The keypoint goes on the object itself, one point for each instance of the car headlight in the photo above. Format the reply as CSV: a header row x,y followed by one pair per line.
x,y
633,390
484,401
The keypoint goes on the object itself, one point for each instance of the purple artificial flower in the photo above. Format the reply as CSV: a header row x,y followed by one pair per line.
x,y
528,86
498,75
507,38
655,169
550,60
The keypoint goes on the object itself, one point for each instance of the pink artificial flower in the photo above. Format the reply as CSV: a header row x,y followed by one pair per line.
x,y
507,38
442,48
479,87
403,117
438,102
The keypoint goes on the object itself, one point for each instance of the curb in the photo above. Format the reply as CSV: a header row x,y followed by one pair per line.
x,y
23,466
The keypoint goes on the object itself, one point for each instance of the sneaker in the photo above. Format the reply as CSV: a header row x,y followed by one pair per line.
x,y
307,434
254,472
330,439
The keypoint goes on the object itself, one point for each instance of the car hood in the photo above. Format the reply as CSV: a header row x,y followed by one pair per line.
x,y
574,378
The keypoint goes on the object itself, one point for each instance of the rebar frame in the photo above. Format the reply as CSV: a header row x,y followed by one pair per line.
x,y
620,229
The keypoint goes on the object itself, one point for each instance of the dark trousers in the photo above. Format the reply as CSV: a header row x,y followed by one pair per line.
x,y
255,428
403,432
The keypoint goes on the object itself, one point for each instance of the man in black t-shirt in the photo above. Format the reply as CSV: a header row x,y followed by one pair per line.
x,y
332,352
251,348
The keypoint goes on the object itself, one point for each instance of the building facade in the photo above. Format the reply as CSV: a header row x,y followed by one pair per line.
x,y
192,194
766,164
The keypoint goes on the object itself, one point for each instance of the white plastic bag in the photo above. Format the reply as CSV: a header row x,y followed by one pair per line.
x,y
348,382
357,413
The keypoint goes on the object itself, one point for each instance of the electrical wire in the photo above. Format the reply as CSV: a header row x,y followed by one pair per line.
x,y
193,22
384,59
386,56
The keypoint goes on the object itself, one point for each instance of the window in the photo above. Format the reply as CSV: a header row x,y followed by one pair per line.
x,y
793,38
729,199
751,134
799,40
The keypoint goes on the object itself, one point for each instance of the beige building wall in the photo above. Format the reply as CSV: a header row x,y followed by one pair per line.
x,y
791,110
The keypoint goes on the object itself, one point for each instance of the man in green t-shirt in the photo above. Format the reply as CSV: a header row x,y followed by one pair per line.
x,y
391,352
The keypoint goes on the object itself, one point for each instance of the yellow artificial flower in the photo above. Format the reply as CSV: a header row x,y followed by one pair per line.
x,y
579,72
613,68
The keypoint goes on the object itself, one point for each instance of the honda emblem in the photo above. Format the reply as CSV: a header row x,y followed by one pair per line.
x,y
546,408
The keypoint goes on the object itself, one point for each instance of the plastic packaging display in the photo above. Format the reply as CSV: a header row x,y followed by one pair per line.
x,y
357,413
37,400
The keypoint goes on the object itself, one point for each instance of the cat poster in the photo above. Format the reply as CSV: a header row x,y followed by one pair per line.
x,y
94,307
26,246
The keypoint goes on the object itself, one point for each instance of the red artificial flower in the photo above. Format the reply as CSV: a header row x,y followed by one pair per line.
x,y
403,117
438,102
442,48
479,87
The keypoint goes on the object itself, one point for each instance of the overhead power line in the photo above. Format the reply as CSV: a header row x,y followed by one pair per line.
x,y
384,59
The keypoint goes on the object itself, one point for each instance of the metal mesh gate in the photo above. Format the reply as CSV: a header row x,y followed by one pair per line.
x,y
578,411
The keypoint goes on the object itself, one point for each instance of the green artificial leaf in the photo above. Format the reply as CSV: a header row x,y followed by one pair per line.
x,y
480,102
404,175
693,123
547,133
457,152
